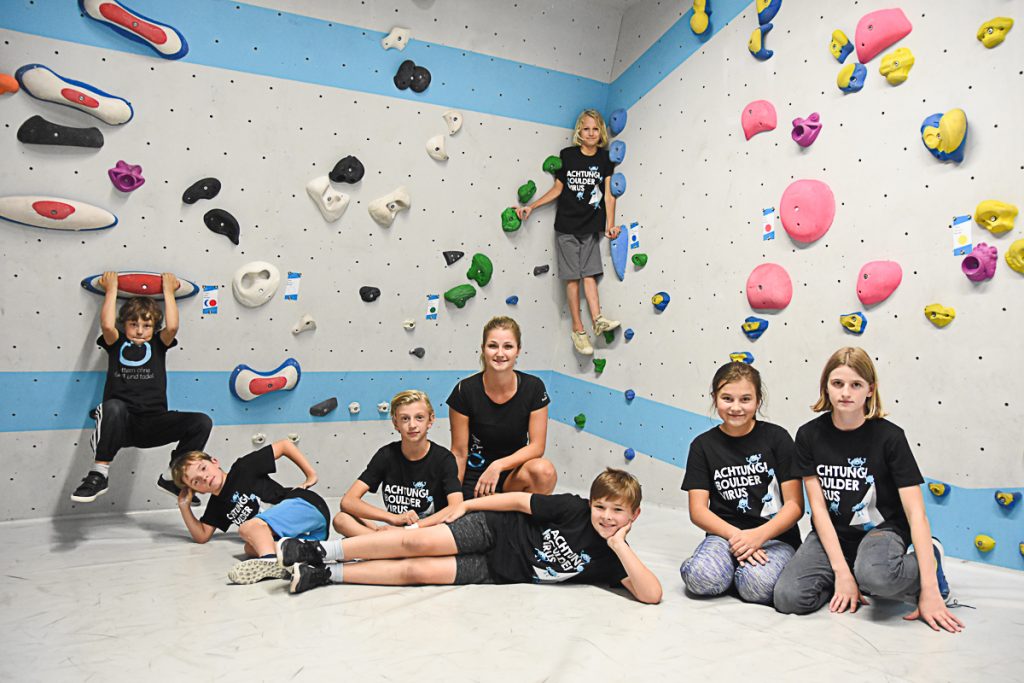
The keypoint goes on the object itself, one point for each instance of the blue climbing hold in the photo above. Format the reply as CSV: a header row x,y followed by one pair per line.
x,y
618,184
742,357
754,327
939,489
629,453
660,300
630,394
851,77
1008,499
854,322
756,44
767,9
512,300
617,121
628,334
617,152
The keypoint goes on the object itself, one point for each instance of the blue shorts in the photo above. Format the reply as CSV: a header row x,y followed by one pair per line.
x,y
295,518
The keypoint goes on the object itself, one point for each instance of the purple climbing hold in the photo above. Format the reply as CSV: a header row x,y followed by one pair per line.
x,y
222,223
126,177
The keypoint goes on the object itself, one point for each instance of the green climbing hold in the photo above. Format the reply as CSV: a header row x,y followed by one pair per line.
x,y
599,364
460,294
609,336
526,191
509,220
639,260
580,420
480,269
552,164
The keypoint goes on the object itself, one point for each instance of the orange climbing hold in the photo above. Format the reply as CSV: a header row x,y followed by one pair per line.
x,y
8,83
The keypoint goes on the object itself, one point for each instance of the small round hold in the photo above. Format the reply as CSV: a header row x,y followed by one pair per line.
x,y
630,394
512,300
629,454
348,170
540,270
419,352
353,408
403,77
207,188
293,437
222,223
369,294
436,148
383,407
259,438
580,421
420,79
409,324
628,334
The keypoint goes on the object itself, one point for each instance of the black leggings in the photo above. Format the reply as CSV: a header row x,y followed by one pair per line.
x,y
116,428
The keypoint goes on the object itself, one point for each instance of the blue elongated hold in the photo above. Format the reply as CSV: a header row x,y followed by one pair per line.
x,y
617,121
939,489
742,357
851,77
618,184
1008,499
165,40
512,300
754,327
617,151
854,322
630,394
767,9
756,44
629,454
628,334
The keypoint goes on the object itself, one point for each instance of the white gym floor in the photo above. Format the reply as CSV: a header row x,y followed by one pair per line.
x,y
130,597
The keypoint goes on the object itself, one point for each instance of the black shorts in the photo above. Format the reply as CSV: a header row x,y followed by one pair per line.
x,y
473,538
470,483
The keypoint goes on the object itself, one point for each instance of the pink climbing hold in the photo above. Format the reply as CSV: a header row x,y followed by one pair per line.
x,y
807,209
980,264
805,131
769,287
758,116
877,280
878,30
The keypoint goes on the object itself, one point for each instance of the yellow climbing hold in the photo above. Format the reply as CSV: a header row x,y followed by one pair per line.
x,y
939,315
949,134
985,544
996,217
700,20
994,31
896,65
1015,256
938,489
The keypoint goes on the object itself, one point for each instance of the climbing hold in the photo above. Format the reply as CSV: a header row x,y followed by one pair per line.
x,y
758,117
525,192
552,164
255,283
384,209
878,30
767,9
609,336
419,352
460,294
8,84
877,280
323,407
617,121
207,188
1007,499
618,184
348,170
630,394
985,544
540,270
994,216
409,324
510,220
617,151
258,439
599,364
841,47
701,18
639,260
938,489
851,77
742,357
580,420
247,384
55,213
332,204
939,315
397,39
126,177
452,119
369,294
1015,256
480,269
165,40
994,31
769,287
628,334
945,135
451,257
512,300
896,65
854,322
757,45
980,264
436,148
805,131
619,248
754,327
660,300
629,454
353,408
293,437
383,407
38,131
807,208
415,78
45,84
306,323
222,223
132,283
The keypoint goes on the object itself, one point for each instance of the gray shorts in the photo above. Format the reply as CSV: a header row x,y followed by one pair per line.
x,y
473,537
578,256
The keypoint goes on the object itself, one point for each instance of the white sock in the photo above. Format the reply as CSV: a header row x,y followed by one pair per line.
x,y
101,467
333,550
337,571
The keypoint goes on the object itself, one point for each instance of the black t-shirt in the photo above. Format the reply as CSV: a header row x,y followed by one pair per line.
x,y
744,475
860,472
496,430
420,485
555,542
137,374
581,205
248,486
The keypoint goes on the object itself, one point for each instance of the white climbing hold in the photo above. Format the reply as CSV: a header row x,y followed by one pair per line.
x,y
305,324
409,324
330,202
255,283
454,120
384,209
293,437
383,407
259,438
397,39
353,408
436,148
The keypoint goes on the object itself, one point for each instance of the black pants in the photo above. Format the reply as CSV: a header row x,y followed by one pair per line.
x,y
116,428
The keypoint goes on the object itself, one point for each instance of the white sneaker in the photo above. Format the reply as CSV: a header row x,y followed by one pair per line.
x,y
582,343
603,324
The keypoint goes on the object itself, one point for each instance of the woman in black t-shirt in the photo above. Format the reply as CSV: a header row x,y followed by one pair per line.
x,y
499,421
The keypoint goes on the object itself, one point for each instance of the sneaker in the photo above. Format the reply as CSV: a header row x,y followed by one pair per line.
x,y
306,576
251,571
172,488
92,487
940,553
603,324
292,551
582,343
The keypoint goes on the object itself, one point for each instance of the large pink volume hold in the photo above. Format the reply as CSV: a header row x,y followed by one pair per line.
x,y
877,280
878,30
769,287
807,209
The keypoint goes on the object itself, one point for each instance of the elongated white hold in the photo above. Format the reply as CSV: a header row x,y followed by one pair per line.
x,y
383,407
453,119
43,83
259,438
409,324
397,39
306,323
293,437
55,213
384,209
436,148
353,408
255,283
332,204
165,40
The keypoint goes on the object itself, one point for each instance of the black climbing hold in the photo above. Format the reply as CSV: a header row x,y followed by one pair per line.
x,y
39,131
369,294
419,352
323,407
348,170
420,79
540,270
403,77
451,257
207,188
222,223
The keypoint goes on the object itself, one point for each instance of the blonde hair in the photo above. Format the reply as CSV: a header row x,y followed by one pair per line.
x,y
617,485
858,360
182,462
404,398
596,115
500,322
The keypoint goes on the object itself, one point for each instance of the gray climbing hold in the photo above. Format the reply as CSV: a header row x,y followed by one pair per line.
x,y
540,270
419,352
451,257
369,294
323,407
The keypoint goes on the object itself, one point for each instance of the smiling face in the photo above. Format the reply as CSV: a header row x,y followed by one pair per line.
x,y
412,421
204,476
138,331
500,350
590,133
848,392
737,404
608,515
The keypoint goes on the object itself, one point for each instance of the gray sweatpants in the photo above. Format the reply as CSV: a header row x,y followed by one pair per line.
x,y
712,569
